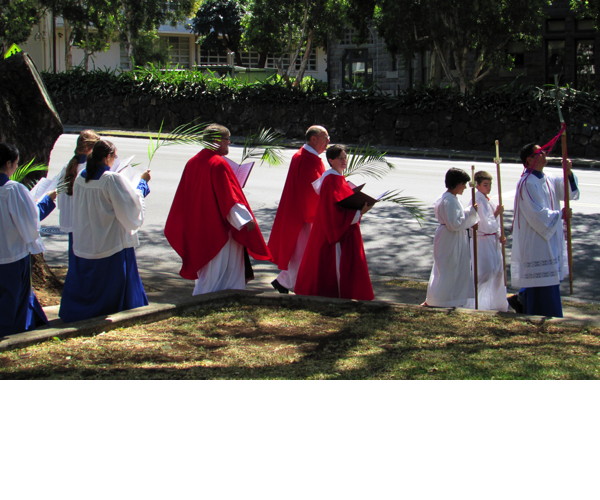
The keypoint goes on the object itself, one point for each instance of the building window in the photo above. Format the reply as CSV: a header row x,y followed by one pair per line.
x,y
585,25
357,69
310,66
178,49
212,57
125,61
350,37
585,71
555,25
555,60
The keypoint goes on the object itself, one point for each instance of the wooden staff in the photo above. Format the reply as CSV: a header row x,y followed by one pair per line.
x,y
567,186
475,277
497,161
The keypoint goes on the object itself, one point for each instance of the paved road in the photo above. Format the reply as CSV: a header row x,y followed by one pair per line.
x,y
396,244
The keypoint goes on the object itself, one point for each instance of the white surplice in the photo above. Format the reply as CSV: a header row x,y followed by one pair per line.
x,y
107,214
226,270
64,202
491,291
451,283
539,255
19,223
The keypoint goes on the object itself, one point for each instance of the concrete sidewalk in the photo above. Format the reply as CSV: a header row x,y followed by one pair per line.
x,y
169,294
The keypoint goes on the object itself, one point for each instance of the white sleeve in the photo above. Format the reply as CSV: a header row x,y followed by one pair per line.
x,y
239,216
26,218
127,202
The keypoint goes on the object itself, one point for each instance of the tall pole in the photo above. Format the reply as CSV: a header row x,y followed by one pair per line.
x,y
474,229
497,161
567,186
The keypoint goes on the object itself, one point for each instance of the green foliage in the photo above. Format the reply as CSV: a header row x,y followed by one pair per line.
x,y
266,146
219,24
369,162
17,18
188,133
507,101
23,171
468,37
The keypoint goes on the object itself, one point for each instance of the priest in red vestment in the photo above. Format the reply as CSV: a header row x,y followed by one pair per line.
x,y
211,225
297,208
334,262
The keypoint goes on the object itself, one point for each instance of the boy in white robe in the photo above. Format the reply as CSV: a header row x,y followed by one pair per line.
x,y
491,290
451,280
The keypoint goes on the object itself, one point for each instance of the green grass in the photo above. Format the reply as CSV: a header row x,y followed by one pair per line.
x,y
354,341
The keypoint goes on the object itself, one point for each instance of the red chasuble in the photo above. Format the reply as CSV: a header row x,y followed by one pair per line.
x,y
197,226
297,206
333,224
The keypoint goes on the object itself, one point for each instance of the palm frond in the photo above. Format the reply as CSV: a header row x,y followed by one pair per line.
x,y
62,186
24,170
412,205
188,133
266,146
368,162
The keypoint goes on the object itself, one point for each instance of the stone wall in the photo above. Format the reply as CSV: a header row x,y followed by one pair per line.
x,y
377,121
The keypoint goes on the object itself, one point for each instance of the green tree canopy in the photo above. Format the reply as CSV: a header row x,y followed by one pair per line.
x,y
469,37
219,24
17,18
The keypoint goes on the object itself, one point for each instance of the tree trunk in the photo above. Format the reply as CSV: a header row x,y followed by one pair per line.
x,y
305,58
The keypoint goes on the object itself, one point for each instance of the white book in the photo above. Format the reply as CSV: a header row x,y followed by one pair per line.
x,y
41,188
131,171
242,172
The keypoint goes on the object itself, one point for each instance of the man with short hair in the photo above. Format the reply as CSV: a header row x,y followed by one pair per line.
x,y
539,261
210,224
297,208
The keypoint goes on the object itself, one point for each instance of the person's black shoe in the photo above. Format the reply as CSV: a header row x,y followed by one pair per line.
x,y
279,287
515,303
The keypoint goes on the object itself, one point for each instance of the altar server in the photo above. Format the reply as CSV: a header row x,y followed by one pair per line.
x,y
451,281
297,208
539,259
334,262
107,213
211,225
64,202
19,237
491,290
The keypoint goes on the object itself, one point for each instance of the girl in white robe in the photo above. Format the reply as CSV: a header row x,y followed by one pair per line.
x,y
64,201
103,277
19,237
491,290
451,283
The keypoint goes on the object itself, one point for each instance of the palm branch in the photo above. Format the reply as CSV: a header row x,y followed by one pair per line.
x,y
410,204
20,175
188,133
266,146
369,162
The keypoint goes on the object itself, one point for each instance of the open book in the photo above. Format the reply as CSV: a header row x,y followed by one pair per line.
x,y
242,172
357,200
131,171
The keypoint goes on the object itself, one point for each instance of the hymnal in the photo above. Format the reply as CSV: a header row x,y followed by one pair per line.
x,y
242,172
357,200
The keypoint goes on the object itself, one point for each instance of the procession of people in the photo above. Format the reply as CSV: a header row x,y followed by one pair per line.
x,y
315,241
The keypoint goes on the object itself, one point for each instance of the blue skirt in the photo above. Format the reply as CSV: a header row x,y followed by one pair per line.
x,y
99,287
542,301
19,307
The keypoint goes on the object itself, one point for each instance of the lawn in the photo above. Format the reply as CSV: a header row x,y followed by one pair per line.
x,y
335,341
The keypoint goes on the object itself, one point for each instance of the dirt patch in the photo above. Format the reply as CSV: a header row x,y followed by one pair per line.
x,y
48,286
